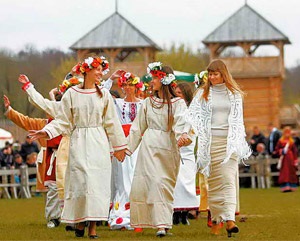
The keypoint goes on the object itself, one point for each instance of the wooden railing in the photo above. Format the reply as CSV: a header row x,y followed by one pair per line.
x,y
260,171
254,66
10,188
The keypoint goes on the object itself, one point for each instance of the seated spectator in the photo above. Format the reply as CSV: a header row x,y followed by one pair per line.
x,y
18,161
256,138
7,157
31,162
28,147
16,147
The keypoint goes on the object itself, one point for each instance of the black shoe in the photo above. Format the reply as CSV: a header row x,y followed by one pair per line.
x,y
176,218
53,223
234,229
79,233
184,220
69,228
93,236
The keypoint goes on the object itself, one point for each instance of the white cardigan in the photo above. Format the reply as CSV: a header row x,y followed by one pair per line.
x,y
199,115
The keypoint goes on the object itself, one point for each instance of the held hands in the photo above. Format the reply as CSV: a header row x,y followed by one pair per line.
x,y
184,140
33,134
120,155
6,102
23,79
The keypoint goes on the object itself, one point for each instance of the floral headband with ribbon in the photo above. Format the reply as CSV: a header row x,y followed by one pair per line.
x,y
200,78
131,79
91,63
155,69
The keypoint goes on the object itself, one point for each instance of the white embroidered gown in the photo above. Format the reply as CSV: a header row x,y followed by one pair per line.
x,y
122,173
88,174
151,197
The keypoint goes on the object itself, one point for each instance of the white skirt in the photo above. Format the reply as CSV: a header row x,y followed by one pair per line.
x,y
222,184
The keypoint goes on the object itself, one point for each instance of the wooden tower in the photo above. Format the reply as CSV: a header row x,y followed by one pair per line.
x,y
259,76
116,38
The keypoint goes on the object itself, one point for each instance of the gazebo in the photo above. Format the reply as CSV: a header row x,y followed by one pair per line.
x,y
117,38
259,76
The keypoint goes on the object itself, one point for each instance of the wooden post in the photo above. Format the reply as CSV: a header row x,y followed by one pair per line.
x,y
268,172
12,181
25,191
4,181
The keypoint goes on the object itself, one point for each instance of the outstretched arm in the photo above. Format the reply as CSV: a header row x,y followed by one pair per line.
x,y
50,107
25,122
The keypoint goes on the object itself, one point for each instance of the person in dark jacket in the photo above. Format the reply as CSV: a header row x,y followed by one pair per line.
x,y
273,138
28,147
257,138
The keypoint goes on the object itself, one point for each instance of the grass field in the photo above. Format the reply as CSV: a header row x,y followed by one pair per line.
x,y
271,215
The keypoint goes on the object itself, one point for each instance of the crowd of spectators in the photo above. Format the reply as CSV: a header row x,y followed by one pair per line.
x,y
14,155
263,146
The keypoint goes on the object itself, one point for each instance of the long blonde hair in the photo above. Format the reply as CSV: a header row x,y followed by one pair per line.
x,y
218,65
283,137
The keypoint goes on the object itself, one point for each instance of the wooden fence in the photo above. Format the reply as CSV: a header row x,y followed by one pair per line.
x,y
260,171
9,187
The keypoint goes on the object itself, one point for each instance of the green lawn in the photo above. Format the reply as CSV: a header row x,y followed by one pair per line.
x,y
271,215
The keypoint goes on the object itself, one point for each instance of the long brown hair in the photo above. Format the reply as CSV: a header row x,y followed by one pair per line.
x,y
186,91
167,94
218,65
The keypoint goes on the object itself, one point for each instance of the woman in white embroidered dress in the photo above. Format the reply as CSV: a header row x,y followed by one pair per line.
x,y
185,198
158,125
122,173
216,114
88,114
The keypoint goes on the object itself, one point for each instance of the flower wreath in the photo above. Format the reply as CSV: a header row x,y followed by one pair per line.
x,y
92,62
155,69
67,83
200,78
131,79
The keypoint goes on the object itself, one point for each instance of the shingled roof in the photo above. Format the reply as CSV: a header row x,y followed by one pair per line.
x,y
114,32
245,25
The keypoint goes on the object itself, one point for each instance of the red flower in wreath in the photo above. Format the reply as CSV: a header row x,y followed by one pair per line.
x,y
127,206
78,69
95,63
62,88
173,84
86,67
139,85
